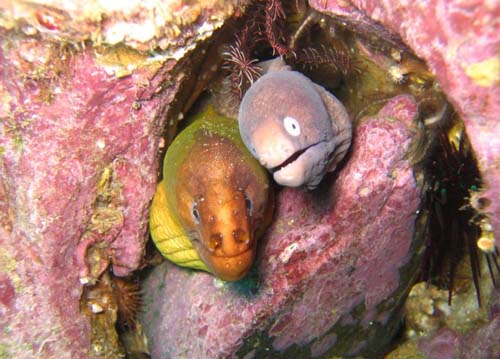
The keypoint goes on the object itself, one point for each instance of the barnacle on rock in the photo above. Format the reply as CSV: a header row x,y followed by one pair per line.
x,y
99,304
104,226
112,304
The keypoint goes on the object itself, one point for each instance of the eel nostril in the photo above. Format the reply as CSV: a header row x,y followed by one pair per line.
x,y
215,241
239,236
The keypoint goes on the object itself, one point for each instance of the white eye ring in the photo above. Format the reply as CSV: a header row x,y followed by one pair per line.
x,y
291,126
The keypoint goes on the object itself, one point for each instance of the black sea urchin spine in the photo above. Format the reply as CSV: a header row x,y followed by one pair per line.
x,y
453,226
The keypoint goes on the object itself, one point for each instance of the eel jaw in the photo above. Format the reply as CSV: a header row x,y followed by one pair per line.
x,y
228,268
231,267
305,167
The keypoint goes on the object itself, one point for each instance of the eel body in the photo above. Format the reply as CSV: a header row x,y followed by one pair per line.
x,y
214,200
294,127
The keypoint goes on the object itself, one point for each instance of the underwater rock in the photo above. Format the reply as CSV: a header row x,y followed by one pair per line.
x,y
174,26
80,129
330,272
460,43
481,342
443,345
75,158
436,329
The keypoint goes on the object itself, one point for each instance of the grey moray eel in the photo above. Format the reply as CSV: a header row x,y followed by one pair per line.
x,y
295,128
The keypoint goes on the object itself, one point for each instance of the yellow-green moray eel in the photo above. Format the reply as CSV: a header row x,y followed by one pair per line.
x,y
214,201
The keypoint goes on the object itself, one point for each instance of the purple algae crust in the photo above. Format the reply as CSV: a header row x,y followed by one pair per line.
x,y
63,124
458,39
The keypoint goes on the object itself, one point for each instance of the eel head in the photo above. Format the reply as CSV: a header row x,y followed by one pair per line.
x,y
294,127
223,202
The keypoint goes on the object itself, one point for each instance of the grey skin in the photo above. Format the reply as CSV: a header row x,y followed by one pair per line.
x,y
294,127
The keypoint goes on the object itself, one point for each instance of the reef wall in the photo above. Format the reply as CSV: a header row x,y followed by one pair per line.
x,y
81,125
80,128
459,42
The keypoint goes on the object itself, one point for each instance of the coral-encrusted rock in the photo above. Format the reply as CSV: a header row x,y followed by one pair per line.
x,y
173,25
438,330
460,43
78,165
331,269
79,136
481,342
478,344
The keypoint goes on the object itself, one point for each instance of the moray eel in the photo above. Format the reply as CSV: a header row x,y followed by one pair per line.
x,y
214,200
294,127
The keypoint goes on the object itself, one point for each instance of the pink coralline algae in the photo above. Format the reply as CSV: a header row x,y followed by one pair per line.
x,y
62,127
460,43
330,270
482,343
479,343
444,344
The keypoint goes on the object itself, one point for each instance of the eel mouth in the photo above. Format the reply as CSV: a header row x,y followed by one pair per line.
x,y
226,267
289,160
230,268
305,167
292,158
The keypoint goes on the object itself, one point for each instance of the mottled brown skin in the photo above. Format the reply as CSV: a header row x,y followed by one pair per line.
x,y
230,204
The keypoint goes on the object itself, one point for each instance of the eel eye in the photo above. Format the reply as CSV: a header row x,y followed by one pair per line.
x,y
195,213
291,126
249,205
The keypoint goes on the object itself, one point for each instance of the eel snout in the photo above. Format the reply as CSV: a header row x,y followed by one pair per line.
x,y
291,164
304,167
227,242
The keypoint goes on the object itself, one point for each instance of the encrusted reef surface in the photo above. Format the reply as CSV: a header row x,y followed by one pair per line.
x,y
80,128
460,43
331,270
437,330
142,25
65,141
